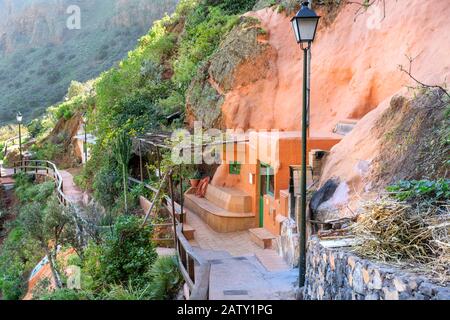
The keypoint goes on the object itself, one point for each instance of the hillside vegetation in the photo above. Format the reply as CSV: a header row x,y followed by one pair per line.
x,y
40,56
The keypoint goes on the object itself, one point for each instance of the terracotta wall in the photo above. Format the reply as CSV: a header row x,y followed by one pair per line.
x,y
289,153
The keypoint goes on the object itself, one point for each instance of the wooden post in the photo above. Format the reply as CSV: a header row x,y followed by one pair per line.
x,y
158,155
155,198
140,161
174,220
182,217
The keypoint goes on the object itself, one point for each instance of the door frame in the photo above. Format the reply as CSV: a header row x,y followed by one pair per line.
x,y
261,194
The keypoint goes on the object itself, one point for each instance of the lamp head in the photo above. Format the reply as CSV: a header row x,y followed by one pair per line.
x,y
305,24
19,117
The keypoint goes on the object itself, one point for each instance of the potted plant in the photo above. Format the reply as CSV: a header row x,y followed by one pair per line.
x,y
195,179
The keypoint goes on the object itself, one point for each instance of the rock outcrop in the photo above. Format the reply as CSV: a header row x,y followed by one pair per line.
x,y
243,58
354,66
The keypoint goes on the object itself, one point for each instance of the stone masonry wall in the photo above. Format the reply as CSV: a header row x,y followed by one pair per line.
x,y
336,274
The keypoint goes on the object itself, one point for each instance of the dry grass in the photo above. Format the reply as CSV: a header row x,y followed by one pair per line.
x,y
417,235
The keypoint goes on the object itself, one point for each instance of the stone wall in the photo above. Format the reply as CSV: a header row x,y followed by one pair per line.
x,y
286,244
337,274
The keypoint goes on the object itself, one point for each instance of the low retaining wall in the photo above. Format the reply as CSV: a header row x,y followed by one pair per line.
x,y
337,274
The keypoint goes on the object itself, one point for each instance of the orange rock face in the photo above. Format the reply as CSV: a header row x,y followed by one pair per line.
x,y
354,65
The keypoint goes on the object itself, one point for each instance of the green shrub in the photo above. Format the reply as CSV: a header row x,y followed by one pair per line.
x,y
18,256
35,127
165,278
235,6
47,151
422,189
65,294
128,253
27,192
107,184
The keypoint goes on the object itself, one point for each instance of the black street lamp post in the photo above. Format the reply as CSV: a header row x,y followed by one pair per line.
x,y
305,26
19,119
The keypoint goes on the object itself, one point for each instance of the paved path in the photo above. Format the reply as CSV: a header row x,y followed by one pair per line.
x,y
240,270
244,278
237,244
73,193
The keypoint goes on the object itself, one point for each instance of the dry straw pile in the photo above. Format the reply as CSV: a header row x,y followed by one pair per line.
x,y
417,235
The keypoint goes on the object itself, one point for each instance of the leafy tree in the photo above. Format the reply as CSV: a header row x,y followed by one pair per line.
x,y
46,225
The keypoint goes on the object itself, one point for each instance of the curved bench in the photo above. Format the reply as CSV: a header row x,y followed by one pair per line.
x,y
219,219
230,199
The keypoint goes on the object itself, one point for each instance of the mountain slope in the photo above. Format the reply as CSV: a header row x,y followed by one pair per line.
x,y
40,55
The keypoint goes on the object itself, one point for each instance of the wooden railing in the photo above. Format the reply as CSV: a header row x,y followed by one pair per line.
x,y
44,168
194,269
49,169
11,142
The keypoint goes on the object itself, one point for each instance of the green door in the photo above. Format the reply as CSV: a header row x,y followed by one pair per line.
x,y
266,186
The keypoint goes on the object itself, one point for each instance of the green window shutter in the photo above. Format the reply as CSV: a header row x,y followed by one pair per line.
x,y
235,168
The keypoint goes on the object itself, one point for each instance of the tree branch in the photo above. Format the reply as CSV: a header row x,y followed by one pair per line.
x,y
424,85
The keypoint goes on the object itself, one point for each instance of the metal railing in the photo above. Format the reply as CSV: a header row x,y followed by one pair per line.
x,y
49,169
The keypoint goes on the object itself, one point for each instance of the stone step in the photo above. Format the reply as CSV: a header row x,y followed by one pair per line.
x,y
262,237
189,232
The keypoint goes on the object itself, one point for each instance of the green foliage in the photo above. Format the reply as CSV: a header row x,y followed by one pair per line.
x,y
27,192
235,6
165,278
35,127
125,258
65,294
23,247
106,184
423,189
122,152
128,253
18,256
47,151
205,28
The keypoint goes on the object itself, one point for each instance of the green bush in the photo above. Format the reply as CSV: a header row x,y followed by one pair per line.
x,y
205,28
65,294
18,256
28,192
235,6
422,189
128,253
107,183
47,151
35,127
165,278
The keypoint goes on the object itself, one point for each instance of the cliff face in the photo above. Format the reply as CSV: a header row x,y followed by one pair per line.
x,y
355,75
354,67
